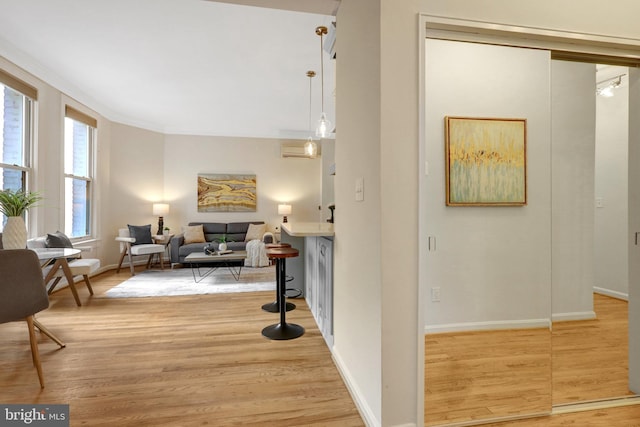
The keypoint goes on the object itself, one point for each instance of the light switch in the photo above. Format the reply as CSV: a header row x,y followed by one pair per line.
x,y
359,189
599,202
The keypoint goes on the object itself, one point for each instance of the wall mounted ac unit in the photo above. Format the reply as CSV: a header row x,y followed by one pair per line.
x,y
294,150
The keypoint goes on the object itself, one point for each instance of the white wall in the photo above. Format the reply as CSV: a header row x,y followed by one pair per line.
x,y
612,146
573,167
357,278
492,264
545,14
293,180
328,180
136,182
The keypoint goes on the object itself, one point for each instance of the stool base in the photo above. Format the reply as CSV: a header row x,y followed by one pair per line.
x,y
272,307
283,331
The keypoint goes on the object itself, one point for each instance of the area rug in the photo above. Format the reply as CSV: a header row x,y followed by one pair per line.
x,y
153,283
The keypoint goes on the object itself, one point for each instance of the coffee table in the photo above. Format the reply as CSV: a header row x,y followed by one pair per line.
x,y
233,261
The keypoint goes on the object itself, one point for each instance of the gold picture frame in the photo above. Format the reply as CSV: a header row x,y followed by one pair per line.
x,y
486,161
226,193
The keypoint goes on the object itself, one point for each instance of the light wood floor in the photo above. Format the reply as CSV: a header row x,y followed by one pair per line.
x,y
589,362
590,357
478,375
175,361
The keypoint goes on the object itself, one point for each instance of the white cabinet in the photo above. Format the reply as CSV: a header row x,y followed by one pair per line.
x,y
319,283
311,273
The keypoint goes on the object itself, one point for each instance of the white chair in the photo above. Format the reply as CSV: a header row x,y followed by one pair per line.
x,y
80,267
130,249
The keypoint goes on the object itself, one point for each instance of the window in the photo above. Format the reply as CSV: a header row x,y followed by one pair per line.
x,y
79,136
16,113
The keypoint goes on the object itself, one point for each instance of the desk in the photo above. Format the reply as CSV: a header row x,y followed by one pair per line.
x,y
58,256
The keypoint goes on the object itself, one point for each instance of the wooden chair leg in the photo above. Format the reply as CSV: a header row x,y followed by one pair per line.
x,y
35,353
122,255
133,271
149,261
86,280
53,286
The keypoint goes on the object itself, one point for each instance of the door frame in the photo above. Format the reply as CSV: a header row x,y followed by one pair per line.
x,y
564,45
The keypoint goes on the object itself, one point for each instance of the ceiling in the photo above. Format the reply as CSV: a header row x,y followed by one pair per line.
x,y
180,66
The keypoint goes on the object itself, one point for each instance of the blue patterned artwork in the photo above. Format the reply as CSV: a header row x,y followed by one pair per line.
x,y
485,161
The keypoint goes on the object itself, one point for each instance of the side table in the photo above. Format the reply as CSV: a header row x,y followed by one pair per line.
x,y
162,239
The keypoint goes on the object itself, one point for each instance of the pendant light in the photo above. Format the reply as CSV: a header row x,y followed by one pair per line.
x,y
310,147
324,125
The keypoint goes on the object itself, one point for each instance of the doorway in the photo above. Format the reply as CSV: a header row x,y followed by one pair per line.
x,y
589,230
472,232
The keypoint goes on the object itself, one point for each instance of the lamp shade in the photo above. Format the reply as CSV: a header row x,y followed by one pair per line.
x,y
284,209
160,209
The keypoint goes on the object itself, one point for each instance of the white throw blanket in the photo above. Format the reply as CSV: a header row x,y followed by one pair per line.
x,y
256,254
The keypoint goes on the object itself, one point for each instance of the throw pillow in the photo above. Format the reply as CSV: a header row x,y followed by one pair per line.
x,y
58,240
255,231
193,234
142,234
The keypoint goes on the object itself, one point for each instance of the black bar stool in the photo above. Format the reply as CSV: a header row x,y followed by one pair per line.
x,y
282,330
274,307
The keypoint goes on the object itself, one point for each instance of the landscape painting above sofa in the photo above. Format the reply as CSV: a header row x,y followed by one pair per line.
x,y
226,193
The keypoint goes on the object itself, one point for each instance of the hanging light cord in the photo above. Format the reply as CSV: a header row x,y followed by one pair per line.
x,y
321,31
310,74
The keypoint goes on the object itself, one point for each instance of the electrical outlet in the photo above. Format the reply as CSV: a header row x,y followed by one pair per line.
x,y
435,294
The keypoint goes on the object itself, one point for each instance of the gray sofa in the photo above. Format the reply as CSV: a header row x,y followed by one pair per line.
x,y
235,233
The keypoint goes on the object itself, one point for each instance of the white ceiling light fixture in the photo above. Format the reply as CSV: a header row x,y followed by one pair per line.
x,y
606,90
324,125
310,147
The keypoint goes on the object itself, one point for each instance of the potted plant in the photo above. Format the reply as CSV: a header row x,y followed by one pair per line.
x,y
166,231
13,204
222,240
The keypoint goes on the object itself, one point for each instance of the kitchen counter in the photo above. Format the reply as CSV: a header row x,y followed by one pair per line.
x,y
307,229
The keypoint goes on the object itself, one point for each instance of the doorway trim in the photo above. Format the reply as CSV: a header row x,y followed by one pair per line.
x,y
565,45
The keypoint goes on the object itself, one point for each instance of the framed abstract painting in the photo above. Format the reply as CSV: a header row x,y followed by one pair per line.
x,y
226,193
486,161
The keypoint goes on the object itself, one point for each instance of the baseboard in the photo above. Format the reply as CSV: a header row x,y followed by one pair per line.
x,y
611,293
578,315
488,326
366,413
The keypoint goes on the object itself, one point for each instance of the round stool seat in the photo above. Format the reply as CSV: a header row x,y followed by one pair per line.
x,y
277,245
282,252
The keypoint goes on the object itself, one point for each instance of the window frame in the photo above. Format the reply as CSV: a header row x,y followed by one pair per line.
x,y
91,123
26,169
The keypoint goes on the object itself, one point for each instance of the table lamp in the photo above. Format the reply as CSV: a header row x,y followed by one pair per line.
x,y
285,210
160,210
